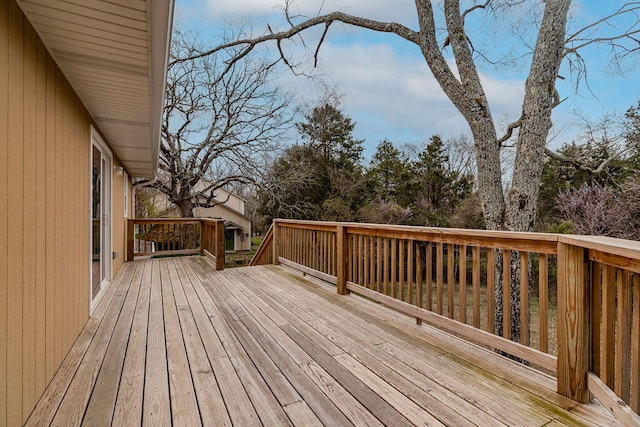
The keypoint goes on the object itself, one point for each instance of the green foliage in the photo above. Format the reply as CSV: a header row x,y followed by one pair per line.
x,y
321,178
562,227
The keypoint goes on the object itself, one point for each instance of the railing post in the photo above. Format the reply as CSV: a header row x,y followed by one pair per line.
x,y
130,239
219,246
342,255
276,242
574,330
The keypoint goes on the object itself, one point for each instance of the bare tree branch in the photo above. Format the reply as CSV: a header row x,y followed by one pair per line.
x,y
249,44
581,166
471,9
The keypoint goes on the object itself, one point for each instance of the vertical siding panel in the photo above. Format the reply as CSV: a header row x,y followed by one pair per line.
x,y
4,83
58,224
79,213
49,205
29,219
15,219
40,249
67,245
75,217
86,204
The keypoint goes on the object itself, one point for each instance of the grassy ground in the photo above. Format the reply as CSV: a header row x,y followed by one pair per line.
x,y
240,259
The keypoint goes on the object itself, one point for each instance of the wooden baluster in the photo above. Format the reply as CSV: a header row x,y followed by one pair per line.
x,y
394,265
428,276
378,263
608,324
419,281
623,342
451,279
402,263
475,260
596,315
491,283
305,247
410,281
324,252
365,254
635,346
463,283
543,301
524,298
506,294
387,260
359,260
439,277
372,262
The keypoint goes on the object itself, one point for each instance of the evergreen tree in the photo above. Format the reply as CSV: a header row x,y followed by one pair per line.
x,y
389,174
322,177
436,189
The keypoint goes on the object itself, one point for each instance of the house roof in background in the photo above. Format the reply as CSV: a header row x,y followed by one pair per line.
x,y
114,53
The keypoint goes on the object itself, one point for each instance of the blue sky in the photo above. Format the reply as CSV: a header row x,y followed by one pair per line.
x,y
387,88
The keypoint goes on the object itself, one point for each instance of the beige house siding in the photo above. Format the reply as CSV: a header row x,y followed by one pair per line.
x,y
44,216
223,212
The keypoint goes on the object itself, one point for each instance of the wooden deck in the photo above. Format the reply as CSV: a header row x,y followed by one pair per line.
x,y
175,342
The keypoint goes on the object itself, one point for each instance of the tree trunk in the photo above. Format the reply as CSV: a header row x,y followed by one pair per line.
x,y
540,96
186,208
538,102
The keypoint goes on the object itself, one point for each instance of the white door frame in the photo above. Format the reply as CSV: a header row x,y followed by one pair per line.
x,y
106,236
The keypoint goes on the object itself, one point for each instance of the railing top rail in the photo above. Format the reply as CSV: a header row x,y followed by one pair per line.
x,y
612,245
166,220
356,226
534,242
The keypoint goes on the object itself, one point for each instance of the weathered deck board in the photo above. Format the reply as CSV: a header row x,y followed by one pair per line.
x,y
175,341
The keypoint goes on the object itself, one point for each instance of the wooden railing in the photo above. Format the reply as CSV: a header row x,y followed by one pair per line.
x,y
264,254
578,311
176,236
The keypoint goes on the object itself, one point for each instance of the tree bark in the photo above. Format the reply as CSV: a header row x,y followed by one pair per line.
x,y
532,139
538,102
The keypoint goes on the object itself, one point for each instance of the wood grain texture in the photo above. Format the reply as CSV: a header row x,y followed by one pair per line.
x,y
283,349
607,372
4,190
543,301
623,337
635,347
573,323
612,402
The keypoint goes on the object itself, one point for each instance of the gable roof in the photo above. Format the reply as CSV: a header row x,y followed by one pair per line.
x,y
114,53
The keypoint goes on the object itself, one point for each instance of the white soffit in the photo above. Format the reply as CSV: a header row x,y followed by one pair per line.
x,y
114,53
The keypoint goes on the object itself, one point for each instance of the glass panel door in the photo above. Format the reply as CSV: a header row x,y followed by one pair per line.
x,y
100,218
97,272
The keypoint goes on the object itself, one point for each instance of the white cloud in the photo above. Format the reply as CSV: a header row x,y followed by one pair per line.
x,y
392,94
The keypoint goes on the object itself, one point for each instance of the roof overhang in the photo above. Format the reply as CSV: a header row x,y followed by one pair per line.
x,y
114,54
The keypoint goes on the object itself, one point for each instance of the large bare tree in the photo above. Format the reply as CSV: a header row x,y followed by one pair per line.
x,y
220,123
550,45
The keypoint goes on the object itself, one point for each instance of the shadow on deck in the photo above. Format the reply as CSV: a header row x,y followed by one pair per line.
x,y
175,342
